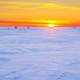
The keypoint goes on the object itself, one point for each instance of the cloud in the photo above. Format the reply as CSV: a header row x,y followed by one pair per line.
x,y
21,10
35,4
64,2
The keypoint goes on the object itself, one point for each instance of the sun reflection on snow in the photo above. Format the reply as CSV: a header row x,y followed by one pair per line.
x,y
51,31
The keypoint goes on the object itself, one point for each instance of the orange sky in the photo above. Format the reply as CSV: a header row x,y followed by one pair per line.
x,y
49,11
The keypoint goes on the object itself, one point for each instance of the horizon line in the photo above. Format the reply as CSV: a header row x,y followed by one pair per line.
x,y
39,23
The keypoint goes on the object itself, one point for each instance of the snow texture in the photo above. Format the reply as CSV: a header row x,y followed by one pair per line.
x,y
40,54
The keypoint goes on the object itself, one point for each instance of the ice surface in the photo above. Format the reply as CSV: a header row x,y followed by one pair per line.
x,y
40,54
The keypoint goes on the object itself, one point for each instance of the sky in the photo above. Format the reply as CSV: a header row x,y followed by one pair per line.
x,y
64,11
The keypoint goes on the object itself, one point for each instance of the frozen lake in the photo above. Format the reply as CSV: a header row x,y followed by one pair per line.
x,y
40,54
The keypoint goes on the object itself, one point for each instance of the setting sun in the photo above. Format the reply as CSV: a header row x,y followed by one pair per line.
x,y
51,25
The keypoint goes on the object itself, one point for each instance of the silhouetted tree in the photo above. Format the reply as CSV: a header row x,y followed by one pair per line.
x,y
28,27
15,27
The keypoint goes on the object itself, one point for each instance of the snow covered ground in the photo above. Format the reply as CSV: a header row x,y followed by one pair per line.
x,y
40,54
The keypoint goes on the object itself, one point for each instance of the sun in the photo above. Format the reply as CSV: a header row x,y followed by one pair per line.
x,y
51,25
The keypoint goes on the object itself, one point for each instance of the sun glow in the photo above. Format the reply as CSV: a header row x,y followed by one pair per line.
x,y
51,25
